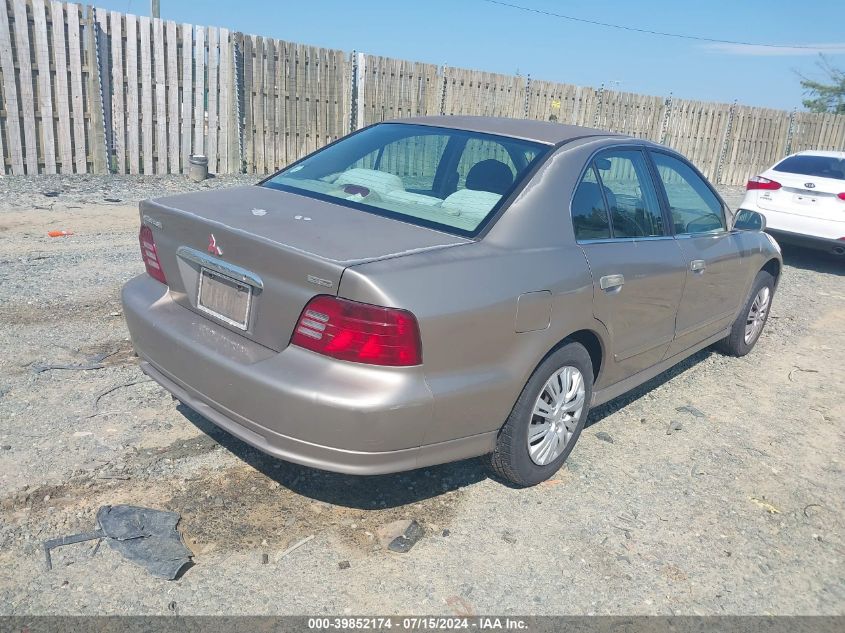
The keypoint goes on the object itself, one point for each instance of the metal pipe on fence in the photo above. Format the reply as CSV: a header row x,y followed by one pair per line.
x,y
726,139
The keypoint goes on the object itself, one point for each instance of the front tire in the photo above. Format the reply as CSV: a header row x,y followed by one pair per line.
x,y
746,330
547,419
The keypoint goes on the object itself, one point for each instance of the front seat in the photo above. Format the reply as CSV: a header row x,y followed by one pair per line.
x,y
490,175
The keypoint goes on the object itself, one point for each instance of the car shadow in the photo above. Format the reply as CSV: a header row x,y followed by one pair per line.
x,y
389,491
813,260
351,491
620,402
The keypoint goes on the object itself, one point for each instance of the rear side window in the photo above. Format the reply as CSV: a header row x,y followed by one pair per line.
x,y
630,194
589,215
693,205
809,165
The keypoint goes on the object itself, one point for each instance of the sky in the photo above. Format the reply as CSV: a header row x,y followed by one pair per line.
x,y
485,36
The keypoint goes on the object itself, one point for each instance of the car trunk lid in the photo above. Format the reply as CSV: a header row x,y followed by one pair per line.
x,y
250,258
809,196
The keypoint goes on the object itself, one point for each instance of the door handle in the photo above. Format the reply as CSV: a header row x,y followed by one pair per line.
x,y
609,282
697,265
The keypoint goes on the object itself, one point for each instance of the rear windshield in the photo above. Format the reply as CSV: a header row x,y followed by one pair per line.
x,y
818,166
447,179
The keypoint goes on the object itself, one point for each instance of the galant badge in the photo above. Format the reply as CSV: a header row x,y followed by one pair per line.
x,y
212,246
809,185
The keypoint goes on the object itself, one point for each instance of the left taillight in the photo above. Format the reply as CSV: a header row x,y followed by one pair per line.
x,y
758,182
359,332
149,253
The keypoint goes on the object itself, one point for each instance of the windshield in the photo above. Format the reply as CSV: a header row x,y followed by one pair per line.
x,y
448,179
809,165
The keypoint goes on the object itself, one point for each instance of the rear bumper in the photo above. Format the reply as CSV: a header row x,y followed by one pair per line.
x,y
294,404
811,231
836,247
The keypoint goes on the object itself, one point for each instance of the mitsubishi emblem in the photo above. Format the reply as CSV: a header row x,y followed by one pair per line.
x,y
212,246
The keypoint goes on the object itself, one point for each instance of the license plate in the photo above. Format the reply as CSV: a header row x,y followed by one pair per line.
x,y
224,298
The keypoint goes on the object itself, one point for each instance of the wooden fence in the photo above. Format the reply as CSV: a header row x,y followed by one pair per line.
x,y
85,90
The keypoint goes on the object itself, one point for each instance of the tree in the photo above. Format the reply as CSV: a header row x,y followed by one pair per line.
x,y
823,96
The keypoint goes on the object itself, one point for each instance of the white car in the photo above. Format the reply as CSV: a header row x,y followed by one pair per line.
x,y
803,200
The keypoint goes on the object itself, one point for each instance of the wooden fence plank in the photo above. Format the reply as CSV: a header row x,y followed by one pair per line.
x,y
258,102
2,144
80,154
281,108
213,66
147,124
45,86
269,105
248,125
26,90
199,91
63,137
172,63
224,104
102,37
10,94
187,93
97,129
118,103
133,130
160,78
301,102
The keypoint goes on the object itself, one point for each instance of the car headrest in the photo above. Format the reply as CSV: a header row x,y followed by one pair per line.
x,y
588,196
490,175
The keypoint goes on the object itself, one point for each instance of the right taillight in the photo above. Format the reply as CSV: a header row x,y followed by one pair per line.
x,y
841,196
359,332
149,254
758,182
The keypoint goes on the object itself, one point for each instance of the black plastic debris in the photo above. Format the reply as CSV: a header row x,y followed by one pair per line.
x,y
604,437
144,536
405,541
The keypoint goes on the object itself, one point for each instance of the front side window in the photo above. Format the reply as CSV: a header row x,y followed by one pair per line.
x,y
693,205
447,179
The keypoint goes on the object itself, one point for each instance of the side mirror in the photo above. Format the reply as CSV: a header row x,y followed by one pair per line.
x,y
747,220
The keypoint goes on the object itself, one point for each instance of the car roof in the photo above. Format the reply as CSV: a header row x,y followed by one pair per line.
x,y
527,129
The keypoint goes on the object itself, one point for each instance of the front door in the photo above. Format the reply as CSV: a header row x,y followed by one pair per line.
x,y
638,269
715,277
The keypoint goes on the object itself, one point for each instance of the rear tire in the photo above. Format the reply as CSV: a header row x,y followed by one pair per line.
x,y
546,420
746,330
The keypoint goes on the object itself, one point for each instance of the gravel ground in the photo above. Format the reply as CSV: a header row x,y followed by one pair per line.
x,y
717,488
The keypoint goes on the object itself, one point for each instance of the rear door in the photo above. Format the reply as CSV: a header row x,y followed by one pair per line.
x,y
715,273
637,268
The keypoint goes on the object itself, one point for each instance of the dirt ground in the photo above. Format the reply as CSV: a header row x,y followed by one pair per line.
x,y
717,488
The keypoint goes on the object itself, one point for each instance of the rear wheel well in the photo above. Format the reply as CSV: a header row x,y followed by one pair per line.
x,y
773,268
591,342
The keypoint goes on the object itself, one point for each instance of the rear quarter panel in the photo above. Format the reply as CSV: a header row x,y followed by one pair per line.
x,y
466,297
